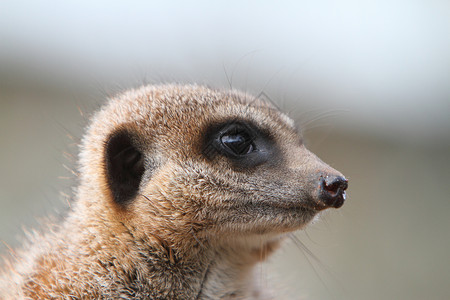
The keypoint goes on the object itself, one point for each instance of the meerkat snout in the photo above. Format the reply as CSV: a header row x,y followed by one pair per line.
x,y
182,191
332,190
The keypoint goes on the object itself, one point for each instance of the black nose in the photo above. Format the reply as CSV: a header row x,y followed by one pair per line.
x,y
332,190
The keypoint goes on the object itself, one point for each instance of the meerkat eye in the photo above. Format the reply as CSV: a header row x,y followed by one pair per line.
x,y
243,144
238,141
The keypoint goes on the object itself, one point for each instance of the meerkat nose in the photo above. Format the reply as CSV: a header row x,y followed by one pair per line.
x,y
332,190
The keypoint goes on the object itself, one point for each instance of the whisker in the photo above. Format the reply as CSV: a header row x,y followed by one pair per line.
x,y
324,268
238,62
226,75
265,86
307,252
321,116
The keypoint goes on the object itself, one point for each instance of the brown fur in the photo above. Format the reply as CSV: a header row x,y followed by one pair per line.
x,y
198,226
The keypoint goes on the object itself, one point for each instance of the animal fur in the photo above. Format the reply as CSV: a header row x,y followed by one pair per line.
x,y
197,224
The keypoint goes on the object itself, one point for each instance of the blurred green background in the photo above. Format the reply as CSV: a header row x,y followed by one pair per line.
x,y
370,81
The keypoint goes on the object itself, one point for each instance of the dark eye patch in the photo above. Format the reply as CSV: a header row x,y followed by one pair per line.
x,y
244,144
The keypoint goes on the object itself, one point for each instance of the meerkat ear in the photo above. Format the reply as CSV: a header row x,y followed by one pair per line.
x,y
124,166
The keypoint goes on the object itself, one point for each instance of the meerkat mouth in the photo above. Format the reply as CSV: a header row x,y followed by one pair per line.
x,y
307,206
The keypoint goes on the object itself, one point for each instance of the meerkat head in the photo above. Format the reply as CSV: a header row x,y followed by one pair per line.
x,y
176,161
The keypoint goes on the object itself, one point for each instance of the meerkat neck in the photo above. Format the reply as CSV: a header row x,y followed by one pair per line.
x,y
225,277
206,272
187,269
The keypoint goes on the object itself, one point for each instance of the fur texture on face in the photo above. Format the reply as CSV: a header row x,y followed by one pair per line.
x,y
183,189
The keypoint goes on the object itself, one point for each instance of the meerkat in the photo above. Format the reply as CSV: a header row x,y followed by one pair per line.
x,y
182,191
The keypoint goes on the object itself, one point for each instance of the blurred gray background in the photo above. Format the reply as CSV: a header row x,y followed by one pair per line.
x,y
370,81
